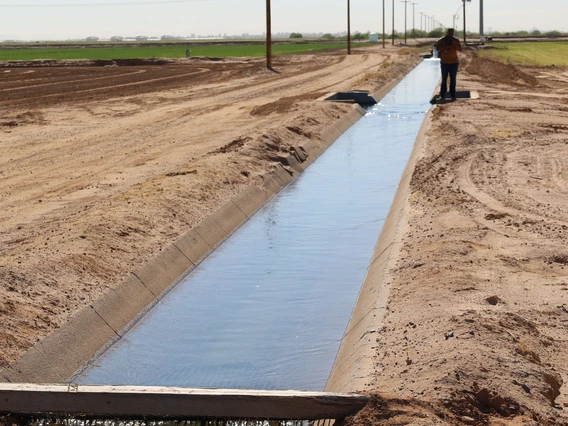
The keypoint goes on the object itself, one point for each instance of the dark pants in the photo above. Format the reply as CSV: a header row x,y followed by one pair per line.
x,y
452,71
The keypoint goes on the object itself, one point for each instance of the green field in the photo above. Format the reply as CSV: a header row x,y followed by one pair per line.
x,y
179,51
529,53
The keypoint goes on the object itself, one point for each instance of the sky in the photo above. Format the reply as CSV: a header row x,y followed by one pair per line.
x,y
75,19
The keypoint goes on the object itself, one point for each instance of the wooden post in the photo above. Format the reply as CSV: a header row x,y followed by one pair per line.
x,y
268,36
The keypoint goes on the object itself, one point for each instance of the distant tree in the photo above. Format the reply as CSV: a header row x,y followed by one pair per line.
x,y
328,36
535,33
436,33
418,33
296,35
361,36
553,33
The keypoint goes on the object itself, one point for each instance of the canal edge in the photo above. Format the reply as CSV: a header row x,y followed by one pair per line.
x,y
90,331
354,366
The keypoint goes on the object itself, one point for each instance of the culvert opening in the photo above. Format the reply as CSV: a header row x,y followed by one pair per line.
x,y
360,97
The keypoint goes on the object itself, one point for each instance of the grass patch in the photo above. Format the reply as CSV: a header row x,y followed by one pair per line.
x,y
529,53
126,52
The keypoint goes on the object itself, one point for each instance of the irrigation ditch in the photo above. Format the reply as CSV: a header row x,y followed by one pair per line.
x,y
63,355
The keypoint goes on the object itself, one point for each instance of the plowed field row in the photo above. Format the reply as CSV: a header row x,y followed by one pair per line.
x,y
44,86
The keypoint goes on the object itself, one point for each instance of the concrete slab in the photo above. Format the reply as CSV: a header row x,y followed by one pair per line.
x,y
211,232
294,163
272,184
33,367
300,154
283,174
312,151
345,122
65,350
142,402
355,364
121,306
330,134
251,200
193,246
229,217
163,270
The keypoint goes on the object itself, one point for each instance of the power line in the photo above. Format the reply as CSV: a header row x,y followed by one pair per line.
x,y
134,3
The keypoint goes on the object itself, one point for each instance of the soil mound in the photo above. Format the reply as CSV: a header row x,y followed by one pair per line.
x,y
497,72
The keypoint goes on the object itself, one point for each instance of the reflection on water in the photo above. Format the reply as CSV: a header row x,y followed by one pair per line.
x,y
268,309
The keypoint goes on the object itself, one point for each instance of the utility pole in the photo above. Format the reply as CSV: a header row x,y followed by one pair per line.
x,y
383,24
349,27
421,16
405,3
393,22
413,26
481,34
268,36
464,27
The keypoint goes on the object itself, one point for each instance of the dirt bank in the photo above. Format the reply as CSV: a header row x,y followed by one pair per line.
x,y
476,324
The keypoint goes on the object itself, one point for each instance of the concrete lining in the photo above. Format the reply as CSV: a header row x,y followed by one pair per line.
x,y
353,367
63,351
118,307
210,231
91,330
164,269
193,246
250,200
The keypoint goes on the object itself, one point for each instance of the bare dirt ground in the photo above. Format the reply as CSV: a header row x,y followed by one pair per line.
x,y
476,329
102,167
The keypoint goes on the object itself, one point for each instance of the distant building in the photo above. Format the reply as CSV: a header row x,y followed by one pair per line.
x,y
92,38
141,38
116,38
168,37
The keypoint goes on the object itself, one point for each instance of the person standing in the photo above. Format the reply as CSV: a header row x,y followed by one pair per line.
x,y
448,48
